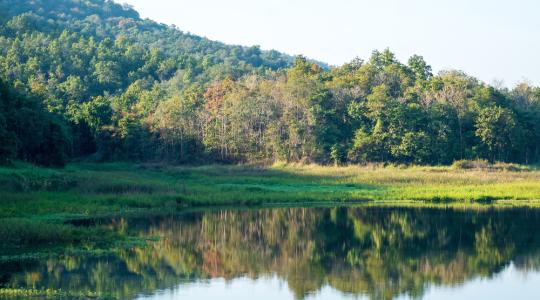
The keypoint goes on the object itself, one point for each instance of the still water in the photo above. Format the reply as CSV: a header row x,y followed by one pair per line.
x,y
308,253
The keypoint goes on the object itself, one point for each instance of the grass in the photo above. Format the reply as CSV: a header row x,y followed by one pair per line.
x,y
46,294
82,190
36,204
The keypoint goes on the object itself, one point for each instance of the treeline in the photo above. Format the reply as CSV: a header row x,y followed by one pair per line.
x,y
375,111
123,88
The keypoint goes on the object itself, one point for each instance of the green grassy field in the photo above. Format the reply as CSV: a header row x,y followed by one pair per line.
x,y
36,203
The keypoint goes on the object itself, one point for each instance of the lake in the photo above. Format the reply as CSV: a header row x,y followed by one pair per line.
x,y
361,252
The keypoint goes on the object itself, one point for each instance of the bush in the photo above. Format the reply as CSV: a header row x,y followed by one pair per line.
x,y
508,167
484,165
471,164
34,181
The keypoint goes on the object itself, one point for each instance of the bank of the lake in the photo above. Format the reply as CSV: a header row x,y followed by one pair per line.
x,y
38,205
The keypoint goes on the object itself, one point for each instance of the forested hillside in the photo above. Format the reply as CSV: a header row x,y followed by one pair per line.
x,y
90,78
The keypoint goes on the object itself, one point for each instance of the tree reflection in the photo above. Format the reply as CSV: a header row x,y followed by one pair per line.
x,y
377,252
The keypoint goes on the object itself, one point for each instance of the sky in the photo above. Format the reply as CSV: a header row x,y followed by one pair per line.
x,y
493,40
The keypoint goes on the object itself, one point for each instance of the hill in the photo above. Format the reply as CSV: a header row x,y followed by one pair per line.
x,y
99,82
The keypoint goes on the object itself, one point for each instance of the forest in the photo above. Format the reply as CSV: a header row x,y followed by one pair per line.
x,y
91,79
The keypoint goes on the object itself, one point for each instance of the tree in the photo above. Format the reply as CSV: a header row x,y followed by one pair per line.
x,y
176,121
97,113
28,132
495,127
454,89
421,70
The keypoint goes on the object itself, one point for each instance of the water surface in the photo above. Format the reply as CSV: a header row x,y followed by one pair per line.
x,y
308,253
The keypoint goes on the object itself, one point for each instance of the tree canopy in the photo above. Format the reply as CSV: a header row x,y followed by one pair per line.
x,y
91,78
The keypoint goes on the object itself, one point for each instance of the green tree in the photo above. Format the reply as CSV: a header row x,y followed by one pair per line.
x,y
495,127
421,70
97,113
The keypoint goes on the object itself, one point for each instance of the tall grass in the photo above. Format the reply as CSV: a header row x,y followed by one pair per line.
x,y
89,189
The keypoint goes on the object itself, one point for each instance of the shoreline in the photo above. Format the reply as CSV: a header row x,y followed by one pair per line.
x,y
40,206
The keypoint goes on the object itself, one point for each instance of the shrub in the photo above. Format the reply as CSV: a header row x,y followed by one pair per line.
x,y
471,164
508,167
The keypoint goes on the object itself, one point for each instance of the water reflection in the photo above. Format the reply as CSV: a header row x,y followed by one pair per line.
x,y
377,253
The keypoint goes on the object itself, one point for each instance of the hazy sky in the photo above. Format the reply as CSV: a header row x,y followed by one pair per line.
x,y
489,39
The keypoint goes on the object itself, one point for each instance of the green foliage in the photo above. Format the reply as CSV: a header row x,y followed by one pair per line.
x,y
421,70
8,142
28,132
117,87
495,127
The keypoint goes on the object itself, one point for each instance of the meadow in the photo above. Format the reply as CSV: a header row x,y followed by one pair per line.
x,y
39,205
